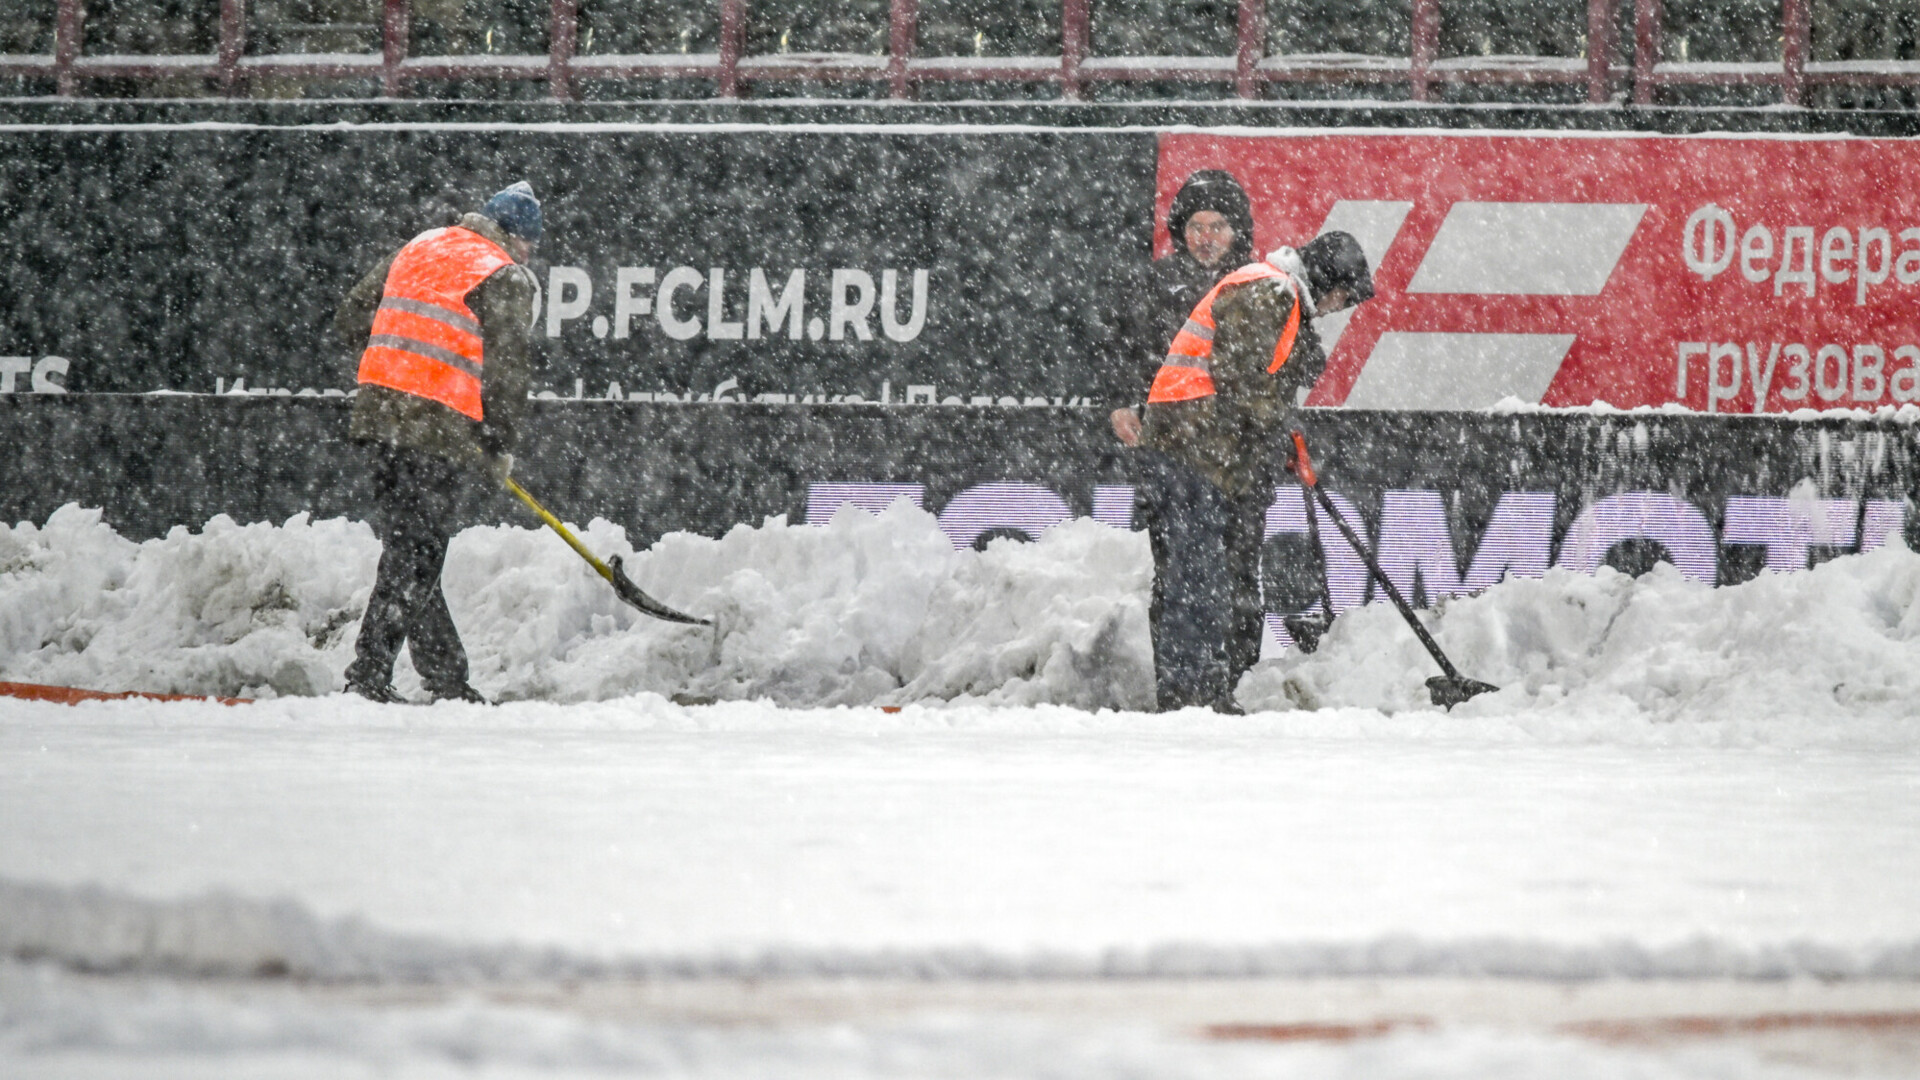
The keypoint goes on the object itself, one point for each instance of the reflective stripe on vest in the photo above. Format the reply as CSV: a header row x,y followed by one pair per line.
x,y
1187,372
426,341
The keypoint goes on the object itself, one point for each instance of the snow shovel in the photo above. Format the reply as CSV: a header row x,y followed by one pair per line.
x,y
623,586
1306,628
1446,690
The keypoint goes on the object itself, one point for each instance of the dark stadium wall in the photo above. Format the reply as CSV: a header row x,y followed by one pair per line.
x,y
799,364
803,263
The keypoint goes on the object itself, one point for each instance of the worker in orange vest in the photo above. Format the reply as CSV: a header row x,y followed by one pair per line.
x,y
1216,421
443,327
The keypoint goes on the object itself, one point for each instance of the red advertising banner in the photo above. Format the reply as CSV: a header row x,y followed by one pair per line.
x,y
1730,275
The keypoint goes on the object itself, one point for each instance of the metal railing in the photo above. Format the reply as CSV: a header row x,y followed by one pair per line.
x,y
1248,71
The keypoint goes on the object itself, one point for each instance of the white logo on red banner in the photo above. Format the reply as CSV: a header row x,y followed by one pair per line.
x,y
1726,274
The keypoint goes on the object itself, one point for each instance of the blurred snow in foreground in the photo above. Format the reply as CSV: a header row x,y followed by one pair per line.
x,y
321,888
55,1025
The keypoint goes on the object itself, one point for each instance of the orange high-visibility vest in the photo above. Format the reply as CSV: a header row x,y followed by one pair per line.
x,y
426,341
1187,372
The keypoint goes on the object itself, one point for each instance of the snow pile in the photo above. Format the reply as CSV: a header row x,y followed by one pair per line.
x,y
234,610
882,610
867,609
1840,642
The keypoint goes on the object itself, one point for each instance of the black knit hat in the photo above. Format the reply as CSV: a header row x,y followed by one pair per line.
x,y
517,211
1334,261
1218,191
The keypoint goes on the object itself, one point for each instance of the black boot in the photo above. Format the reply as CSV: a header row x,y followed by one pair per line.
x,y
384,693
458,692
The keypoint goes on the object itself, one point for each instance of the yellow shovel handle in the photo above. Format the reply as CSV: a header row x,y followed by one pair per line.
x,y
554,524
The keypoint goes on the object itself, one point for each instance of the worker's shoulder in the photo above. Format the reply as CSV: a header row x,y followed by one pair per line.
x,y
512,283
515,275
1261,296
375,278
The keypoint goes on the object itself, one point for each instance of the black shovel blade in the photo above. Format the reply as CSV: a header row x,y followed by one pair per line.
x,y
1307,630
624,588
1447,692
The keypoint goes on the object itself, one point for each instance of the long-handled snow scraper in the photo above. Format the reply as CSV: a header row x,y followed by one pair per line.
x,y
623,586
1446,690
1307,628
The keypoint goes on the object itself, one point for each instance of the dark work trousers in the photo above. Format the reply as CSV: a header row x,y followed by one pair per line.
x,y
1201,559
417,495
1246,537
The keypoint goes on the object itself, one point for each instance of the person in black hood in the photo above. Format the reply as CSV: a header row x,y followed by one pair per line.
x,y
1211,223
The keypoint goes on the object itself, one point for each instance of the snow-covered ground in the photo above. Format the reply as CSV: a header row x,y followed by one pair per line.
x,y
1685,801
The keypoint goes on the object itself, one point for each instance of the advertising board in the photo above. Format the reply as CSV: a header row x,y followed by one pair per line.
x,y
849,264
754,321
680,264
1725,274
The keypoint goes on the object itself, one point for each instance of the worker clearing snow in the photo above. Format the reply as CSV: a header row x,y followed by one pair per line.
x,y
1218,411
443,380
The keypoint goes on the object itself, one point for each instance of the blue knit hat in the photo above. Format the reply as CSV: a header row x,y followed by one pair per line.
x,y
517,211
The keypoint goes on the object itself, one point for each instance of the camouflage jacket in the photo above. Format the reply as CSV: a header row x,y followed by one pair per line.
x,y
1237,436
